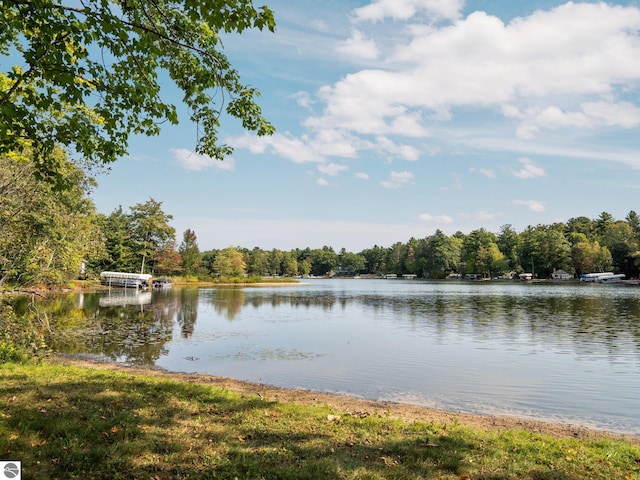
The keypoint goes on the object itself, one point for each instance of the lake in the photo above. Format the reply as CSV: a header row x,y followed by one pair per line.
x,y
563,352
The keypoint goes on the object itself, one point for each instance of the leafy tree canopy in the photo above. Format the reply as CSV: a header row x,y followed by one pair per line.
x,y
85,74
44,235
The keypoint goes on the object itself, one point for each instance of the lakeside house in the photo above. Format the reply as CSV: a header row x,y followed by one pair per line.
x,y
560,275
474,276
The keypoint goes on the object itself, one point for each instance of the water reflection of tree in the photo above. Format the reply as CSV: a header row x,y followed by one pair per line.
x,y
165,305
188,311
228,301
132,334
589,322
123,331
594,325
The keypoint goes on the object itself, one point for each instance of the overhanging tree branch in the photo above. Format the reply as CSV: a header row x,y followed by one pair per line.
x,y
99,60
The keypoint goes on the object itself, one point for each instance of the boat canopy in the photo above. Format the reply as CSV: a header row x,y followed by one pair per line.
x,y
125,275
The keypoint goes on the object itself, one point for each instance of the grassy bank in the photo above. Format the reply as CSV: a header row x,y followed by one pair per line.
x,y
65,421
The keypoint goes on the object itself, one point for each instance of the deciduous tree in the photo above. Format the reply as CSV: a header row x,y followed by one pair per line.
x,y
166,259
87,74
45,236
150,229
229,263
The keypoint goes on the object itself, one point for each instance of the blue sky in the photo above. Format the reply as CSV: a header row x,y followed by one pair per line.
x,y
395,118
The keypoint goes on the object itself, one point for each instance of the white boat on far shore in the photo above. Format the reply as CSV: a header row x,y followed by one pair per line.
x,y
125,279
602,277
617,278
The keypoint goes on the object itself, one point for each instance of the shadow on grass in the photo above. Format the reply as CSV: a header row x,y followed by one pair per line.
x,y
78,423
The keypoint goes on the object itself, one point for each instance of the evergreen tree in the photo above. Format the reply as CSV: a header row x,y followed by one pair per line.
x,y
189,253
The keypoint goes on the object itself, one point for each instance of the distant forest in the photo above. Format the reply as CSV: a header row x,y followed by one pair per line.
x,y
51,236
581,245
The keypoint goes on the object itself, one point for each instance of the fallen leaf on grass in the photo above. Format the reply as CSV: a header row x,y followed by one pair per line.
x,y
389,462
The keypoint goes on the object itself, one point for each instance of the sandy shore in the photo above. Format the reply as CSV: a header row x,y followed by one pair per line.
x,y
356,406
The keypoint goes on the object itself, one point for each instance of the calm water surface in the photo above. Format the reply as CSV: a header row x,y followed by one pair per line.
x,y
568,353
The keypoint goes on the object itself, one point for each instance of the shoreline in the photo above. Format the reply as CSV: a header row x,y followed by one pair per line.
x,y
354,405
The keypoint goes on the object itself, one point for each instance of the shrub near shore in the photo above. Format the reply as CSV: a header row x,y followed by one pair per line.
x,y
67,421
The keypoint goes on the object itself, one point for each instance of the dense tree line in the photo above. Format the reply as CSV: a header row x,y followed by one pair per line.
x,y
49,236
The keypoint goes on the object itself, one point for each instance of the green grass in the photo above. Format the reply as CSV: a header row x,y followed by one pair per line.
x,y
67,422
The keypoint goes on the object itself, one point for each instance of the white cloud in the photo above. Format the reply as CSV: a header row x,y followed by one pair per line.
x,y
623,114
191,160
564,68
405,152
484,171
398,180
332,169
405,9
298,150
322,182
532,205
362,176
439,219
528,170
303,99
573,51
590,116
359,46
370,102
335,143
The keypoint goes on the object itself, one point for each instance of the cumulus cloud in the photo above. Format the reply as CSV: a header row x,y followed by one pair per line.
x,y
191,160
528,170
359,46
402,151
439,219
398,180
532,205
332,169
298,150
589,115
563,68
574,50
362,176
405,9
